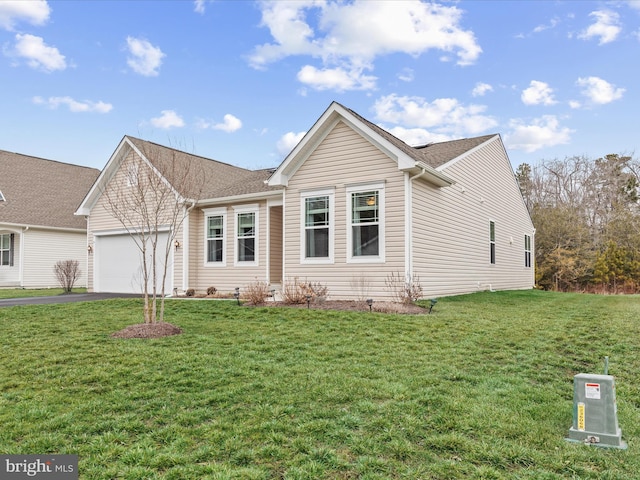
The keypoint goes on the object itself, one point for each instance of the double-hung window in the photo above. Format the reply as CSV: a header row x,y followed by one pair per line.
x,y
6,247
527,251
215,228
492,242
366,223
317,214
246,235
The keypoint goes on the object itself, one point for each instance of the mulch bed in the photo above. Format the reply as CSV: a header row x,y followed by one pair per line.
x,y
148,330
354,306
163,329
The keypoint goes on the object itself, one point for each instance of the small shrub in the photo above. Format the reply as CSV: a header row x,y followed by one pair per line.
x,y
293,292
404,289
257,292
67,272
211,290
190,292
296,292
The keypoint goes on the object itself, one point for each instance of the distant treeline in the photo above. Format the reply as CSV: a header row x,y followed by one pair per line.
x,y
587,218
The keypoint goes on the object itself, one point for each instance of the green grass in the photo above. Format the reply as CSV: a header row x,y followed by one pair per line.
x,y
34,292
482,388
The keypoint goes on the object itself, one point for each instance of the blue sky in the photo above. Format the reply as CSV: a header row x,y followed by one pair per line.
x,y
241,81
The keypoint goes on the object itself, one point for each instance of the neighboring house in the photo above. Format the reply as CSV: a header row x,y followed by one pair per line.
x,y
38,227
351,207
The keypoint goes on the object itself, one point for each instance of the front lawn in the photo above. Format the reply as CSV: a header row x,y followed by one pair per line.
x,y
35,292
482,388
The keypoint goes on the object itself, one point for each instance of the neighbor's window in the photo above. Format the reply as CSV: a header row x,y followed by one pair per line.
x,y
215,238
316,227
527,251
366,232
6,254
246,240
492,241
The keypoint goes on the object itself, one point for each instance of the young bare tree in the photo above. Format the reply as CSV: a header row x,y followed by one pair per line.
x,y
67,272
152,195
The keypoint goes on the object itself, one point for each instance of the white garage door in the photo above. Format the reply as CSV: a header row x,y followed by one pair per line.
x,y
118,264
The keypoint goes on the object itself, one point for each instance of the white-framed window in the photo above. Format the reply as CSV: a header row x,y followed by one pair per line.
x,y
132,175
246,235
215,228
317,213
527,251
365,227
492,242
6,250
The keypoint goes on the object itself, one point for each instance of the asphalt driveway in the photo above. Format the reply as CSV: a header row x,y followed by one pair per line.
x,y
71,297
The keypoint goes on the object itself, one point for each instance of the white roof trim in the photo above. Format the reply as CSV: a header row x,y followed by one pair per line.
x,y
240,198
110,170
320,130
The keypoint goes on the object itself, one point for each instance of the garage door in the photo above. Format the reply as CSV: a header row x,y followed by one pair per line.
x,y
118,264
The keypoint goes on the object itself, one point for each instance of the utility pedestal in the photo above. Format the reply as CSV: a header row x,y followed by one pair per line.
x,y
595,414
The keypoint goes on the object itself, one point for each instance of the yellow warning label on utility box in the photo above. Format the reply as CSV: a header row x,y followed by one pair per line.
x,y
581,426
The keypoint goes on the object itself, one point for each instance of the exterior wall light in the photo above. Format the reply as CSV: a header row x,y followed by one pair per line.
x,y
90,249
176,244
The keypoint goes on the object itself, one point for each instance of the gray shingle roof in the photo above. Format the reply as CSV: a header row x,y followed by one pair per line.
x,y
434,154
207,179
40,192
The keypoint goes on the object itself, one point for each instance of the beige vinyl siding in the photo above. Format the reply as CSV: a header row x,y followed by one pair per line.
x,y
101,220
341,160
226,278
450,239
44,248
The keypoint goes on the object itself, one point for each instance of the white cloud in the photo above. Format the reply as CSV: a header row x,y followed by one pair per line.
x,y
168,119
198,6
538,93
552,24
542,132
351,35
418,136
574,104
481,89
606,28
35,12
74,105
230,124
599,91
406,75
446,115
336,79
37,54
144,58
288,142
634,4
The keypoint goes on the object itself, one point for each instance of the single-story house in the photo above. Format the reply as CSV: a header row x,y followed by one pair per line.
x,y
38,227
351,208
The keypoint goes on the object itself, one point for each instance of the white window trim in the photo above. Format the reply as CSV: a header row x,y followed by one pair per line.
x,y
215,212
363,187
493,242
133,172
327,192
7,265
250,208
